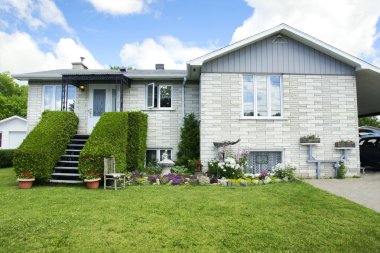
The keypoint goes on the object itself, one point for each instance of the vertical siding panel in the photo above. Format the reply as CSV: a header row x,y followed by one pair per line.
x,y
274,64
231,63
317,62
248,58
302,58
296,58
242,56
225,63
269,46
253,58
259,57
286,57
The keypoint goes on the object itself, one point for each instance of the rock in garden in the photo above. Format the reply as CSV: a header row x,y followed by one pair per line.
x,y
243,183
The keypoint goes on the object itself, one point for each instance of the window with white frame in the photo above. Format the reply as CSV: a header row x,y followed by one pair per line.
x,y
155,155
262,96
158,96
52,95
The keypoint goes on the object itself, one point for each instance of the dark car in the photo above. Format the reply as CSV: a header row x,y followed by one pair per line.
x,y
370,151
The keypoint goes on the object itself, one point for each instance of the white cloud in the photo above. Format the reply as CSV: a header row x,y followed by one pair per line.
x,y
121,7
349,25
36,13
166,49
20,53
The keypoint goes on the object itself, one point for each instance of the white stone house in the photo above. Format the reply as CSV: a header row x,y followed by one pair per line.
x,y
267,90
12,132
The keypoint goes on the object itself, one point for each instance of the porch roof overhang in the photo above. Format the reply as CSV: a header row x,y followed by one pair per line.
x,y
368,92
78,79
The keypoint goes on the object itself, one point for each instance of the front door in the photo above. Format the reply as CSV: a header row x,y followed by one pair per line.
x,y
103,98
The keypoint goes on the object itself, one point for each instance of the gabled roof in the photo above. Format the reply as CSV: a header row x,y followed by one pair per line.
x,y
294,34
12,118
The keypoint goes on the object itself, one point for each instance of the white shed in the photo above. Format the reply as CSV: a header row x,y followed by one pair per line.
x,y
12,132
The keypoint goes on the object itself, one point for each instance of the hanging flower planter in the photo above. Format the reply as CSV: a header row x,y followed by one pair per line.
x,y
310,139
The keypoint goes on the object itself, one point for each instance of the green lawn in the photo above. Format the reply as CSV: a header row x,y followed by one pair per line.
x,y
293,217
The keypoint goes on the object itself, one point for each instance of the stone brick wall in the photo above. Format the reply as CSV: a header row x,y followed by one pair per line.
x,y
81,110
313,104
163,124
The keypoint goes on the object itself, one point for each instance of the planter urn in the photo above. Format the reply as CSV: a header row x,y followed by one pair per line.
x,y
92,183
25,183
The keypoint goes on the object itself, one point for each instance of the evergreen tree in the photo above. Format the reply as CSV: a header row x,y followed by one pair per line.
x,y
189,146
369,121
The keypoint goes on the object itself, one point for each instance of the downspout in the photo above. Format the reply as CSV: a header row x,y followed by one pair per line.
x,y
183,97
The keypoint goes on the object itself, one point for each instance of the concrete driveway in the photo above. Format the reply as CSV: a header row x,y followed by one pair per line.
x,y
364,190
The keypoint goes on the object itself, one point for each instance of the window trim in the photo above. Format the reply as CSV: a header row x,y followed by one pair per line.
x,y
269,98
270,150
158,97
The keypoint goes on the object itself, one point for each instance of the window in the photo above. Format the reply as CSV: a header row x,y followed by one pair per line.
x,y
155,155
263,160
158,96
262,96
52,97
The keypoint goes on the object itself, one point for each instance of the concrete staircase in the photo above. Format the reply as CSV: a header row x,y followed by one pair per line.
x,y
66,169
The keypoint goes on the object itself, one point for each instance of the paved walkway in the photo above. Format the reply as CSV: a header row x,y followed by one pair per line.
x,y
364,190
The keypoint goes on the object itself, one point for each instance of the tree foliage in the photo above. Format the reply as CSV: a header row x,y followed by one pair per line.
x,y
369,121
189,146
13,97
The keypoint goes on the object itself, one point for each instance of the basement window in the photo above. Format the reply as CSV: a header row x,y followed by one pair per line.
x,y
263,160
155,155
158,96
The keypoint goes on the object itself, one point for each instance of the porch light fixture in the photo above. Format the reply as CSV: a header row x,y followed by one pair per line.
x,y
82,87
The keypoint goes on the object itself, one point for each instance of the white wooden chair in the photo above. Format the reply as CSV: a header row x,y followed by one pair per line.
x,y
111,175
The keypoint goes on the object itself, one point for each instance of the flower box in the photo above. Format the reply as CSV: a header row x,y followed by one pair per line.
x,y
309,140
344,144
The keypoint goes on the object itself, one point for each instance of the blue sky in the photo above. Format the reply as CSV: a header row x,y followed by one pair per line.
x,y
46,34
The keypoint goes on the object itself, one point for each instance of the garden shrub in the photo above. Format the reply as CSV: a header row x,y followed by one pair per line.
x,y
189,146
137,134
109,138
341,170
281,171
6,158
45,144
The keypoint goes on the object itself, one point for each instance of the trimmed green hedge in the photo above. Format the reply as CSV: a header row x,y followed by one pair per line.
x,y
45,144
137,134
109,138
6,158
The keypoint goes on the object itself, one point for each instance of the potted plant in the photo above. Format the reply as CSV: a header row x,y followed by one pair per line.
x,y
25,178
311,138
345,144
92,180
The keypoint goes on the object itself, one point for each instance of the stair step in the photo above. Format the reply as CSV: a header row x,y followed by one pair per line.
x,y
62,161
69,155
65,168
65,174
66,181
76,145
73,150
78,140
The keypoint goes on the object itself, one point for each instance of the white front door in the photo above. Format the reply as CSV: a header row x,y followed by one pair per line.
x,y
103,98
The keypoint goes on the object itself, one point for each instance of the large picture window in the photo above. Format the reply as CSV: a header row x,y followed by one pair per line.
x,y
52,97
158,96
262,96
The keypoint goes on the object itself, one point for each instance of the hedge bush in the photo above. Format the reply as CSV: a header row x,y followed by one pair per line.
x,y
45,144
109,138
137,134
6,158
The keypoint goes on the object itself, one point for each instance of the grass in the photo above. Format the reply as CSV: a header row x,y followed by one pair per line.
x,y
283,217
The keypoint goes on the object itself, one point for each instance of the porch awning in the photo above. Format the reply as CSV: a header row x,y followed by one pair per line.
x,y
368,90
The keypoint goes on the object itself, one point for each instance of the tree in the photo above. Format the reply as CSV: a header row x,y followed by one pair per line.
x,y
189,146
369,121
118,68
13,97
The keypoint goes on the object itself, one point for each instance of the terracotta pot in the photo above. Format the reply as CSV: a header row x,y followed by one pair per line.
x,y
92,183
25,183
